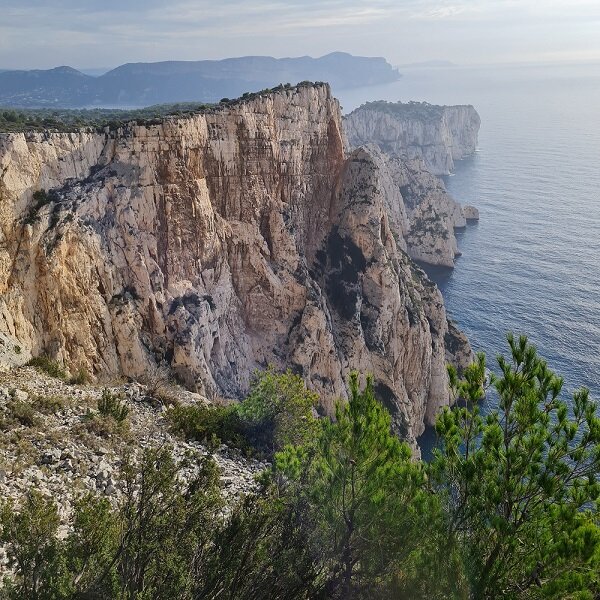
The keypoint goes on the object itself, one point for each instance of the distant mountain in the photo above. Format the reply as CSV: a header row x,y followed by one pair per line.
x,y
143,84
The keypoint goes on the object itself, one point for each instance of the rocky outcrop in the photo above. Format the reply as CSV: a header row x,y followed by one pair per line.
x,y
439,135
219,243
421,210
471,213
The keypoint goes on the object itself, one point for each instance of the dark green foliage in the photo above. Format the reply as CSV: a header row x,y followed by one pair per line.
x,y
40,119
507,509
406,110
522,484
111,405
277,411
148,547
40,199
33,548
365,500
48,366
210,425
261,553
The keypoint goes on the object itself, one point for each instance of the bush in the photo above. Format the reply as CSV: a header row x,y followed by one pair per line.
x,y
153,544
111,405
278,411
211,425
50,405
33,549
156,379
104,427
48,366
81,377
22,412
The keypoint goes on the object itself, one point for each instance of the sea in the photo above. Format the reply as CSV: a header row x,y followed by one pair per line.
x,y
532,264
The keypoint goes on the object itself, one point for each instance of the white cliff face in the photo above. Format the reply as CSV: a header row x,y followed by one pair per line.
x,y
439,135
220,243
422,215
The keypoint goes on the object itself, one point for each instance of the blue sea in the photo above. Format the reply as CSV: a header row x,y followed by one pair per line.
x,y
532,264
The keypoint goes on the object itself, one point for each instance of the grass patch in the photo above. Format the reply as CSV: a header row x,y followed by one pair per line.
x,y
47,365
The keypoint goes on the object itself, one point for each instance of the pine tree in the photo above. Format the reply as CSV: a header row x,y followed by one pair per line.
x,y
521,485
362,495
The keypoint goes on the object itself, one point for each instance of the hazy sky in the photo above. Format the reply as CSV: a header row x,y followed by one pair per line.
x,y
106,33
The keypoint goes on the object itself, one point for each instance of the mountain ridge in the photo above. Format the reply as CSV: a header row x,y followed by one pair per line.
x,y
146,83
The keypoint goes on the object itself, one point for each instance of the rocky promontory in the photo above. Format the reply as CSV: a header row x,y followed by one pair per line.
x,y
439,135
217,243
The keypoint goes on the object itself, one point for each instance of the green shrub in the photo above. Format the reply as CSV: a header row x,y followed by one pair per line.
x,y
278,411
48,366
210,425
22,412
50,405
110,405
33,548
81,377
99,426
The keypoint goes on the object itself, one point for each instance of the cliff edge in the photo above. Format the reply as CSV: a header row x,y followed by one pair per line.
x,y
218,243
438,135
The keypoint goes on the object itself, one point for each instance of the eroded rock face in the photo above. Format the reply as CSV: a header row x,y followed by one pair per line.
x,y
220,243
437,134
427,216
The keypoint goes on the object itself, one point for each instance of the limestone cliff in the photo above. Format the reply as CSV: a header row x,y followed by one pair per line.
x,y
218,243
437,134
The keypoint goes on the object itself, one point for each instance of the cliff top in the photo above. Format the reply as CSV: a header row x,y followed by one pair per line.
x,y
412,109
73,120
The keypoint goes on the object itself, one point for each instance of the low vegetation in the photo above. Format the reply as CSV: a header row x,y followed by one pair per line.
x,y
66,120
277,411
47,365
507,508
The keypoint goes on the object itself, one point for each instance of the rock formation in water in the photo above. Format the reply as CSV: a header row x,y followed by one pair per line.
x,y
219,243
437,134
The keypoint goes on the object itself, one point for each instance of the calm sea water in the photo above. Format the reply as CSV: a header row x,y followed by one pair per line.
x,y
532,264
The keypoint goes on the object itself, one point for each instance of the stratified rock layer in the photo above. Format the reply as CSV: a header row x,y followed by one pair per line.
x,y
220,243
437,134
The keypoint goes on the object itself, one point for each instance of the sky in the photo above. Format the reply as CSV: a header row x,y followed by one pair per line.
x,y
105,33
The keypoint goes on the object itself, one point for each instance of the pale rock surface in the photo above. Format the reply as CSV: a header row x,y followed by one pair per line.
x,y
471,213
439,135
430,214
219,243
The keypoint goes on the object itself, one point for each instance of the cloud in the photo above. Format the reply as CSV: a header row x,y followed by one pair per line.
x,y
43,33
